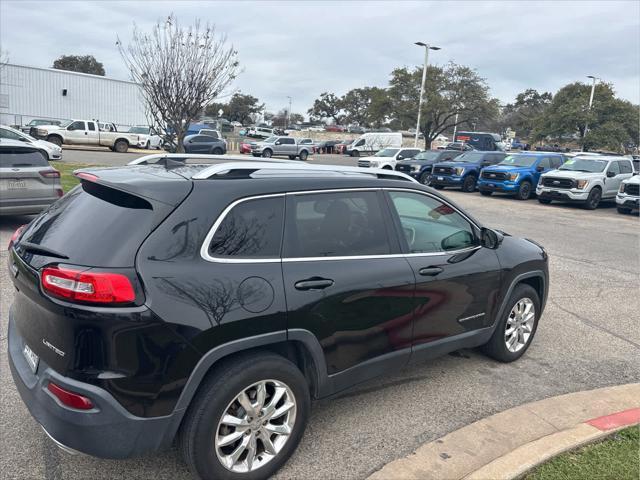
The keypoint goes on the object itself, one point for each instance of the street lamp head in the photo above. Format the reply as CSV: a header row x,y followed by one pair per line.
x,y
435,48
420,44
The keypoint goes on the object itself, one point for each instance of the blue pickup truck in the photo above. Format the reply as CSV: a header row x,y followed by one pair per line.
x,y
518,174
463,171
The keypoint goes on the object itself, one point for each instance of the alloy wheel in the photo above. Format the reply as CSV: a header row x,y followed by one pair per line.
x,y
255,426
519,325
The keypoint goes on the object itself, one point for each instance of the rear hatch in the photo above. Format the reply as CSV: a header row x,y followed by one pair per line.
x,y
25,177
95,229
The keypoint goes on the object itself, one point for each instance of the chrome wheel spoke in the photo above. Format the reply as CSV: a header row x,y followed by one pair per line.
x,y
519,325
246,439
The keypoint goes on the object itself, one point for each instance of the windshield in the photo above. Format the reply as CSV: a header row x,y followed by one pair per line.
x,y
387,152
470,157
139,130
426,156
270,140
584,165
519,160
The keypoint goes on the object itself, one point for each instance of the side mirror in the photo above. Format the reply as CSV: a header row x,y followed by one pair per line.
x,y
278,143
399,157
490,238
611,174
540,168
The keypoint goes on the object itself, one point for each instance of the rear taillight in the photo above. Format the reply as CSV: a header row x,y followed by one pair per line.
x,y
70,399
50,174
15,236
86,176
86,286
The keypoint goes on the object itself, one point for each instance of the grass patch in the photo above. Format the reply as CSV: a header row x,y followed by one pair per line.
x,y
616,458
67,179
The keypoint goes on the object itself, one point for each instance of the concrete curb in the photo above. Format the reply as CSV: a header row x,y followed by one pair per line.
x,y
510,443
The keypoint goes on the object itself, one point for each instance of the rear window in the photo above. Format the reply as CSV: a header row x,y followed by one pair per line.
x,y
21,157
95,226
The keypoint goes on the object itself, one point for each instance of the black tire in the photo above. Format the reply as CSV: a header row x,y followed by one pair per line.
x,y
148,145
266,153
425,178
486,193
292,157
438,187
544,201
524,190
387,167
469,184
121,146
624,210
593,200
255,154
303,155
55,139
217,151
496,347
355,153
218,390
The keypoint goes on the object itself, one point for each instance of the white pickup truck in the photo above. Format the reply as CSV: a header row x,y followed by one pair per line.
x,y
86,132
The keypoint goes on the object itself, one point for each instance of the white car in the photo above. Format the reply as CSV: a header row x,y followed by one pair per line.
x,y
387,158
52,151
628,197
236,124
148,138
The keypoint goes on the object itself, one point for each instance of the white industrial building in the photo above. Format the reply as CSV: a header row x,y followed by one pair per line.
x,y
31,92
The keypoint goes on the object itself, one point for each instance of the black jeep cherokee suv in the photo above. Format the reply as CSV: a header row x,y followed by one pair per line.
x,y
209,303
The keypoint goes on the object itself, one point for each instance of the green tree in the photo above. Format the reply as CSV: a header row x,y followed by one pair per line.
x,y
612,122
79,63
241,108
327,106
450,90
523,115
367,106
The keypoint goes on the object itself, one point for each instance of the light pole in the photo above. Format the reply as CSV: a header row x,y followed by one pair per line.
x,y
593,90
289,114
427,47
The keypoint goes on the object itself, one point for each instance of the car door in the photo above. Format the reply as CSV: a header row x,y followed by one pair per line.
x,y
612,183
287,146
200,144
346,282
544,166
457,280
92,136
77,132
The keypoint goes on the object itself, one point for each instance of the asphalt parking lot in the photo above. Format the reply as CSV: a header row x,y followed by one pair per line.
x,y
588,337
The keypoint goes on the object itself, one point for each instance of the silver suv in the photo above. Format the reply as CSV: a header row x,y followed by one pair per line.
x,y
28,184
586,179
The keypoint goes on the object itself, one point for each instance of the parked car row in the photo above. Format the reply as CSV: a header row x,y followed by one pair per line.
x,y
48,150
551,176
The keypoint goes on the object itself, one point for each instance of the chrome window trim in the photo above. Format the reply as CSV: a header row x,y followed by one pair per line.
x,y
204,249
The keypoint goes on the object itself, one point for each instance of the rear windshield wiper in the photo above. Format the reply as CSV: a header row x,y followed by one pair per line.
x,y
35,248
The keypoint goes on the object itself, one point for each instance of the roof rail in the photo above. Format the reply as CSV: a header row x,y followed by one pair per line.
x,y
291,168
159,158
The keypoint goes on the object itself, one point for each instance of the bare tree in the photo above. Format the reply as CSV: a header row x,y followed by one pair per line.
x,y
180,71
4,58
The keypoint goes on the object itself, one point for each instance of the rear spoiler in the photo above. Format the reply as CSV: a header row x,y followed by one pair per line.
x,y
156,184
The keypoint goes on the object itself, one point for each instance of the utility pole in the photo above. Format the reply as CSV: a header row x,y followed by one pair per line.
x,y
593,90
289,113
427,47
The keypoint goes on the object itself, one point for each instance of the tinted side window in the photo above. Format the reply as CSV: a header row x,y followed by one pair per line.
x,y
202,139
625,167
287,141
431,226
335,224
545,163
92,126
21,157
4,133
614,167
409,153
556,162
76,126
252,229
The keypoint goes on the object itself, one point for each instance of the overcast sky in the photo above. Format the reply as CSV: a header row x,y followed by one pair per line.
x,y
302,49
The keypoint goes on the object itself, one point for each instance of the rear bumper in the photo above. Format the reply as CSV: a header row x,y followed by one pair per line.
x,y
25,207
106,431
499,186
561,194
